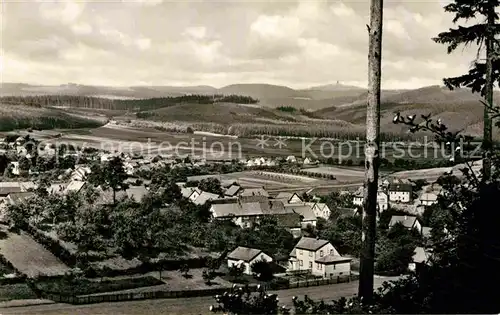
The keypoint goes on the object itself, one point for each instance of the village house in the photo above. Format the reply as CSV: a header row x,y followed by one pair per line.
x,y
80,173
382,200
428,199
291,159
288,197
320,209
400,192
419,258
306,213
319,257
291,222
245,214
247,257
204,197
408,221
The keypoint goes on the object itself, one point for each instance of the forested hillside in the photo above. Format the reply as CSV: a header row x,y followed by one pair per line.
x,y
122,104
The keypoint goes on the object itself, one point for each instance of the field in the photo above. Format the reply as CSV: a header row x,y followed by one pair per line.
x,y
151,141
341,174
29,257
432,174
268,180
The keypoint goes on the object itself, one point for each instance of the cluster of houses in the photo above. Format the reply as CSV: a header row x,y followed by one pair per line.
x,y
262,161
399,193
247,206
311,255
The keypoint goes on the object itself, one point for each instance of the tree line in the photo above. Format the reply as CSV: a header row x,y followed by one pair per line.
x,y
125,104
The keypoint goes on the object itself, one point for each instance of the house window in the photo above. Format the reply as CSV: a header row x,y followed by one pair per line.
x,y
334,267
318,266
331,251
310,265
310,254
300,251
301,262
320,253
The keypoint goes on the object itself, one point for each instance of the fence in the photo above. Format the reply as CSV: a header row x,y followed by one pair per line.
x,y
116,297
282,285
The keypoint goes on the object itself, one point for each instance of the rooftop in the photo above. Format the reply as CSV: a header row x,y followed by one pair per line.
x,y
311,244
333,259
244,253
408,221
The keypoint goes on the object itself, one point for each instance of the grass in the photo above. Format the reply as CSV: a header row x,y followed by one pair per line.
x,y
85,286
20,291
29,257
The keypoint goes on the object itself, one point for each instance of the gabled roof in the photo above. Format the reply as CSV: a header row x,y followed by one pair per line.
x,y
304,210
408,221
311,244
15,198
244,253
188,191
428,197
6,190
204,197
321,206
247,192
74,186
400,187
237,209
332,259
420,255
289,220
232,190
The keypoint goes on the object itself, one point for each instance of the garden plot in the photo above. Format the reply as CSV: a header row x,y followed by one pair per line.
x,y
29,257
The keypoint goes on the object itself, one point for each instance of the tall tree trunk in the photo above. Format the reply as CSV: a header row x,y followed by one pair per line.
x,y
487,125
365,289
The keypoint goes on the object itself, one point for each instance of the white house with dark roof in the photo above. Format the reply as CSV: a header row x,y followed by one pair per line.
x,y
244,214
400,192
408,221
319,257
246,256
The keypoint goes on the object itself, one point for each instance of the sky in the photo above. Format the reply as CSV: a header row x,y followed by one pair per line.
x,y
154,42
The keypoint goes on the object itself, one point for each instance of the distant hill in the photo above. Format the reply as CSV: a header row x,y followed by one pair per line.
x,y
459,109
342,104
20,117
260,91
337,87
